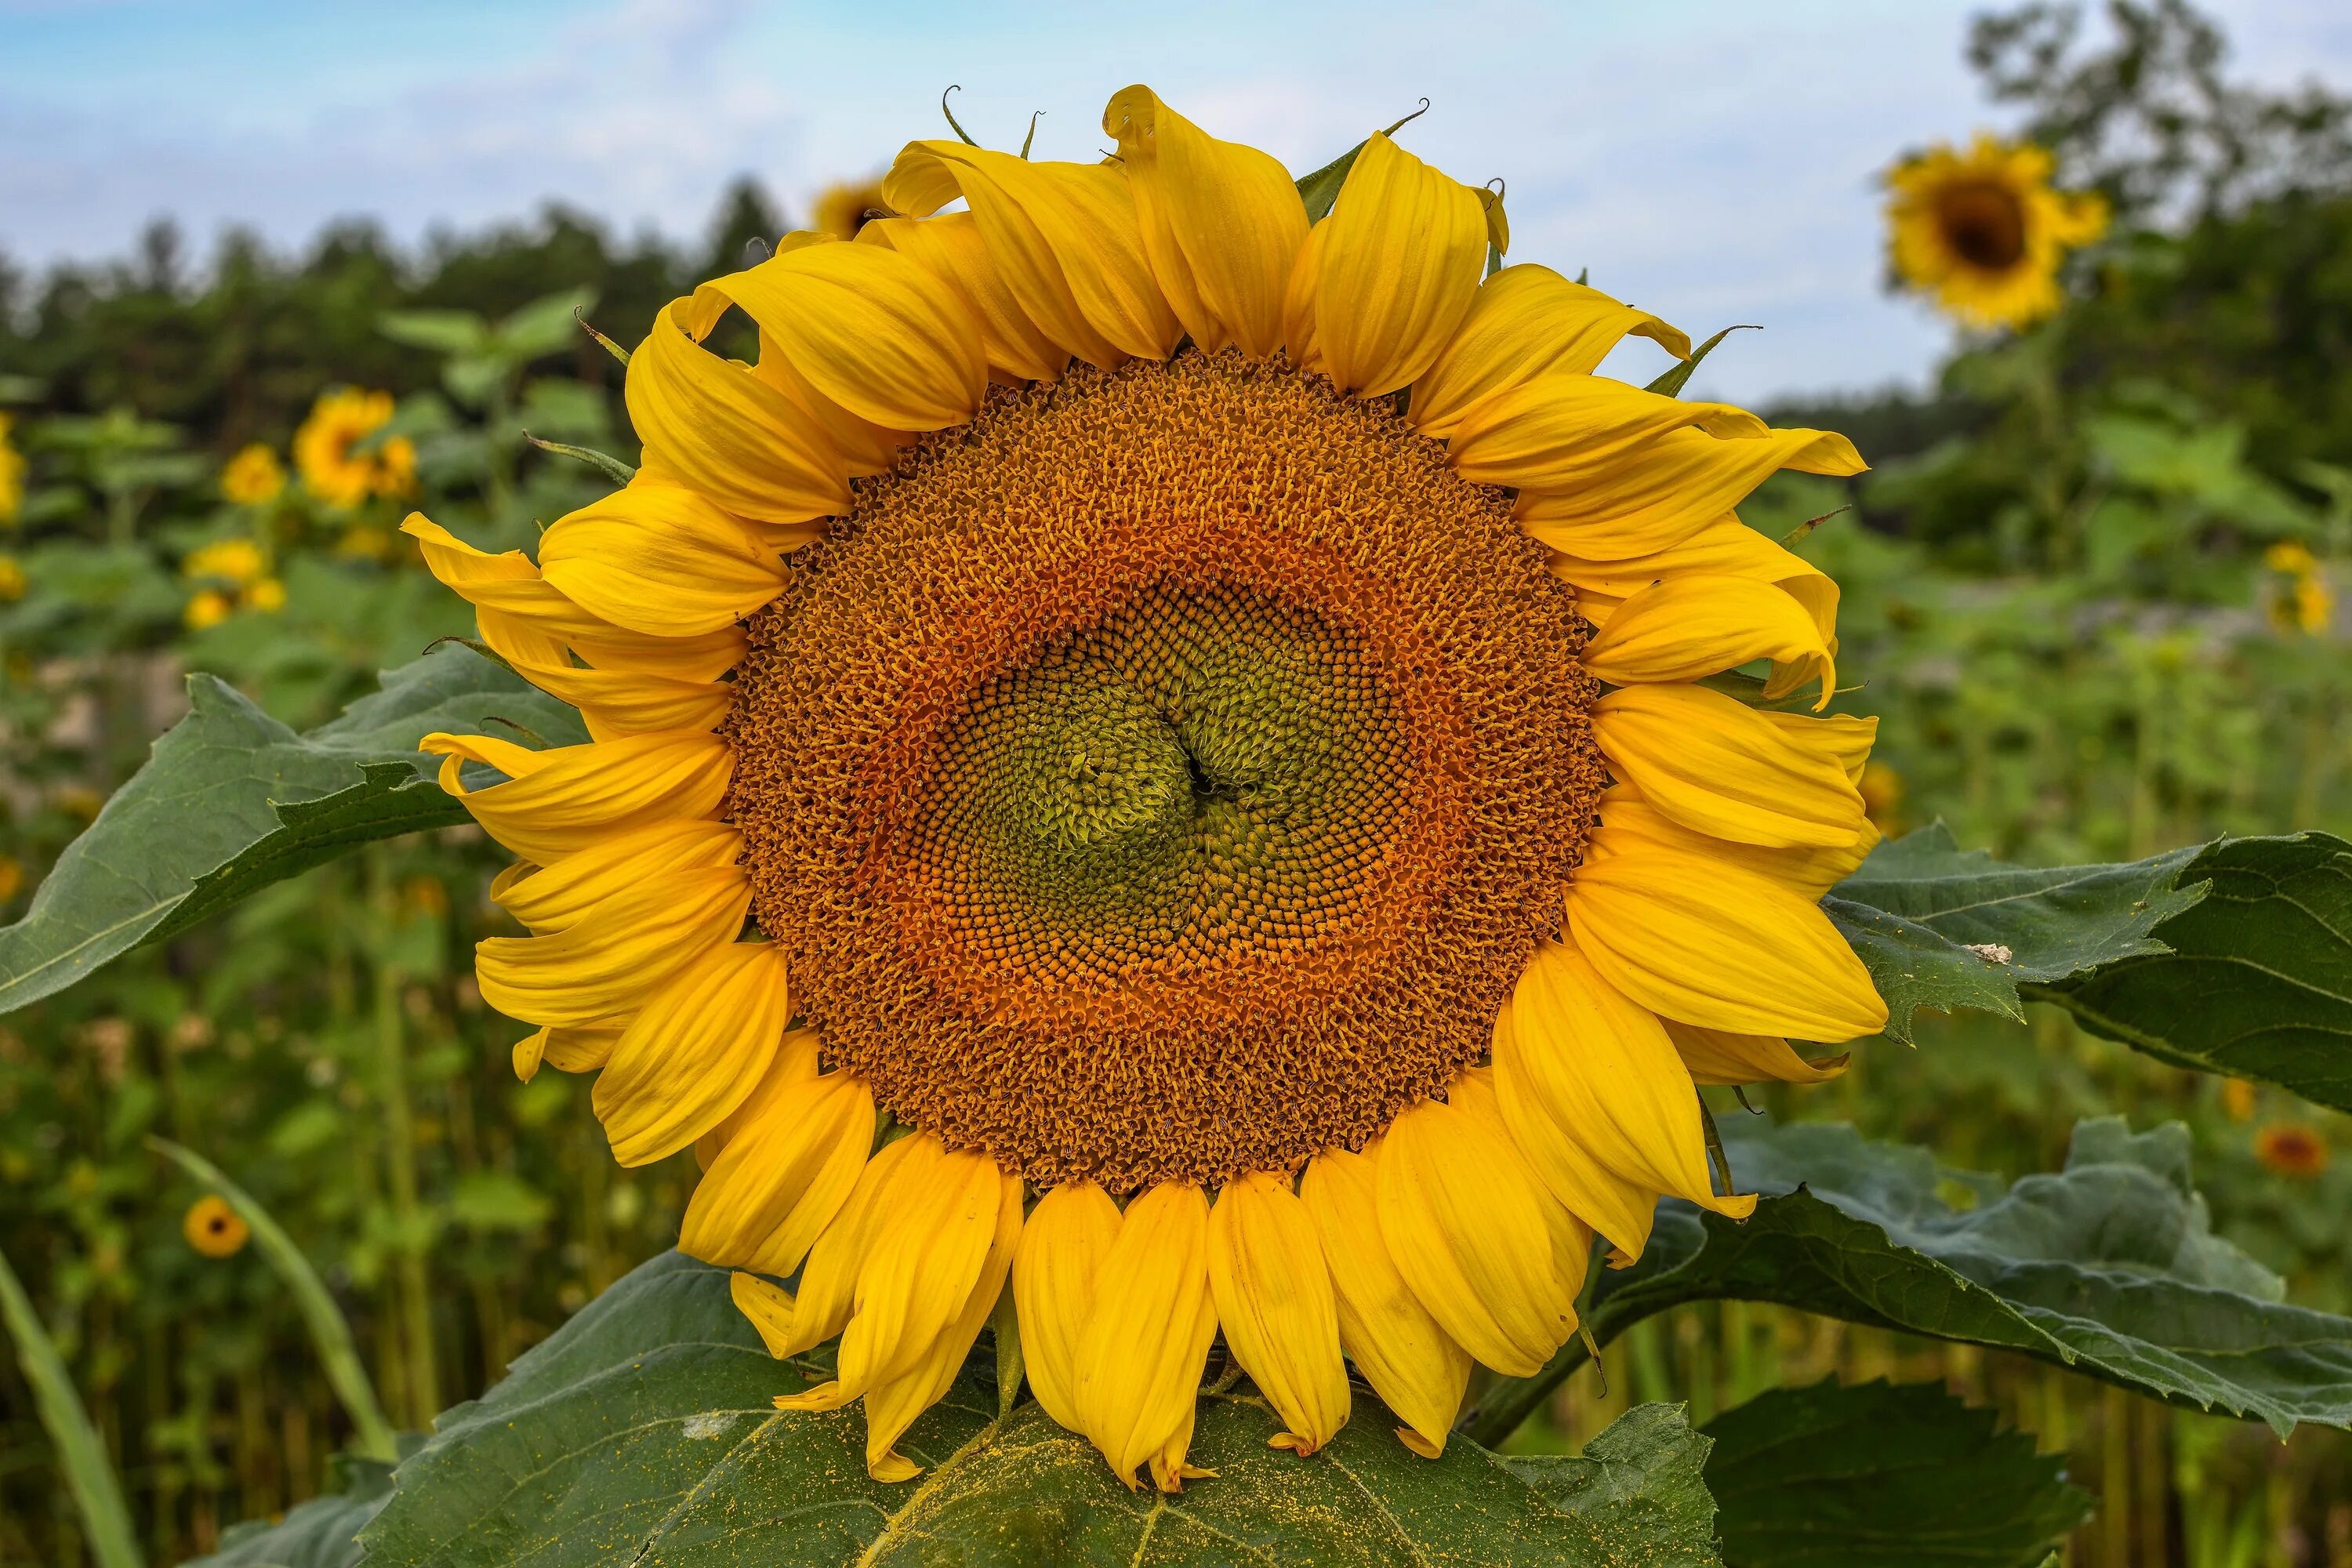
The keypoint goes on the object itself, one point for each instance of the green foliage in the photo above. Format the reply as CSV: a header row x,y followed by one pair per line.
x,y
1852,1477
322,1534
1643,1479
81,1455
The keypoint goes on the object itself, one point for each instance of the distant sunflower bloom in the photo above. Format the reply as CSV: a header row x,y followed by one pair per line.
x,y
842,210
1277,823
13,581
214,1228
207,609
235,560
12,473
325,456
253,476
1983,232
268,595
2291,1149
2304,601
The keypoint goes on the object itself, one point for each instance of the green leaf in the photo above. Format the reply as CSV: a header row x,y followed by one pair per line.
x,y
643,1432
1942,928
2110,1267
231,801
321,1533
2253,980
1676,376
542,327
80,1452
439,332
1320,189
1831,1476
1643,1479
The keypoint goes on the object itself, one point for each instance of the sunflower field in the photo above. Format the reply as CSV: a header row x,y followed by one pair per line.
x,y
1114,863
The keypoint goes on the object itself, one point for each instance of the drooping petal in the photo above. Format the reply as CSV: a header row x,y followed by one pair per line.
x,y
1527,321
1717,765
1063,1246
1705,940
1063,238
781,1178
698,1047
1141,1357
1560,432
1605,1068
1411,1363
829,1283
659,559
1667,491
562,895
1718,1057
614,705
1222,223
1560,1151
1274,1297
716,427
559,801
1696,626
566,1050
949,247
1391,272
1463,1214
601,968
921,1266
1808,872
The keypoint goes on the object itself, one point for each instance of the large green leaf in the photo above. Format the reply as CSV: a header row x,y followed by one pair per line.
x,y
1644,1478
2256,976
642,1433
1943,928
232,800
1833,1476
323,1533
2110,1267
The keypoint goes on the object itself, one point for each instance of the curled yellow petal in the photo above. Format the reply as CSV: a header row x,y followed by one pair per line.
x,y
1668,490
567,892
1222,223
829,1283
600,968
1391,271
1696,626
1705,940
1274,1296
614,703
1720,1056
1140,1358
950,247
1717,765
1561,432
1525,321
564,1049
1559,1150
1063,1246
714,426
1809,872
559,801
921,1265
659,559
1411,1363
696,1050
781,1178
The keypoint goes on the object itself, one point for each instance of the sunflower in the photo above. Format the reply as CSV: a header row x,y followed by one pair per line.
x,y
12,473
1983,231
1205,728
214,1228
324,449
843,209
253,476
2292,1149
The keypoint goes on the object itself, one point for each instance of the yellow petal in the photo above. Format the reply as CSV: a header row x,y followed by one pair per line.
x,y
1063,238
1298,335
769,1308
1705,941
716,427
1715,765
950,247
1720,1056
659,559
1559,1150
1062,1249
1840,736
1463,1215
694,1052
559,801
1221,223
829,1283
864,446
1410,1361
1140,1356
1559,432
1527,321
1696,627
601,968
922,1265
1393,272
871,331
1272,1292
614,703
1604,1067
1809,872
567,892
1668,490
781,1179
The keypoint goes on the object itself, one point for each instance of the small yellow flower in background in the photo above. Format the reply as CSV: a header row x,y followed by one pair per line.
x,y
268,597
78,800
332,470
207,609
2292,1149
1882,795
364,544
842,209
1983,232
424,896
12,473
2304,601
12,580
253,476
12,876
214,1228
2238,1098
237,561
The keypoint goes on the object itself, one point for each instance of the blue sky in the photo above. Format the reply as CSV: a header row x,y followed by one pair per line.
x,y
1712,160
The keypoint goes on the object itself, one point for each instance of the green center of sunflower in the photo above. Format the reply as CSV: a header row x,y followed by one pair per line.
x,y
1984,223
1165,775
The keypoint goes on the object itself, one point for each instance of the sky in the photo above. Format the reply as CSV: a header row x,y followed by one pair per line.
x,y
1711,160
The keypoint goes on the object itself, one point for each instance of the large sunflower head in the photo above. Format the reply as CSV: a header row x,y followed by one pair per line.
x,y
1207,724
1983,232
